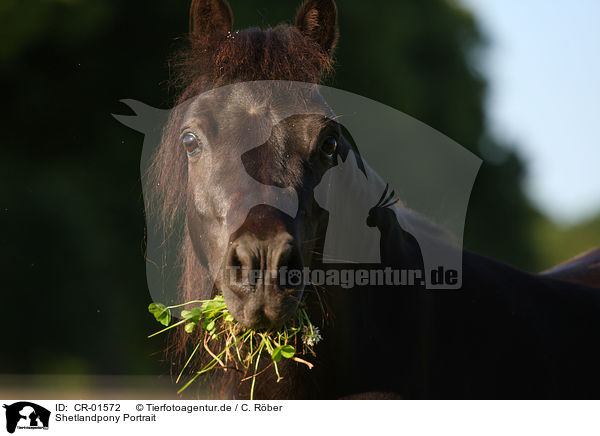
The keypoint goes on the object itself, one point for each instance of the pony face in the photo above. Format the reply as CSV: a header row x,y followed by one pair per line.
x,y
252,157
255,152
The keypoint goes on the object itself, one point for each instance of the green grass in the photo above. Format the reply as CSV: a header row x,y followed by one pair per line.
x,y
240,348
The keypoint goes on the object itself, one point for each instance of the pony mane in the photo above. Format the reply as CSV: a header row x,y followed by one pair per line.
x,y
279,53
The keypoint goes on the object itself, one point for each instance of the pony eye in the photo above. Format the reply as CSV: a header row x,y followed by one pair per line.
x,y
191,143
329,146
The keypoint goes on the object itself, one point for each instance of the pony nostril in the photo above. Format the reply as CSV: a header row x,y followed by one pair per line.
x,y
295,260
235,260
236,265
284,255
242,257
239,263
263,265
289,263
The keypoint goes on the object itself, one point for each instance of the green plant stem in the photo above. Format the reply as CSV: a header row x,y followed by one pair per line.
x,y
168,328
188,303
187,362
260,347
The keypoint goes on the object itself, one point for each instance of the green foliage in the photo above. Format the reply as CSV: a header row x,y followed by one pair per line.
x,y
239,346
161,313
67,22
194,315
280,351
555,243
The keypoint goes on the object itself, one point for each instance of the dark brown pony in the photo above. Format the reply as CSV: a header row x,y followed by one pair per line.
x,y
505,334
218,57
583,269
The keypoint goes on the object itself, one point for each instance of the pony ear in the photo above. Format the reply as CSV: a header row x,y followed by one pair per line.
x,y
317,20
208,17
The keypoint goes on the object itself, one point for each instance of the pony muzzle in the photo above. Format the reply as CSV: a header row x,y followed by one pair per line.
x,y
254,281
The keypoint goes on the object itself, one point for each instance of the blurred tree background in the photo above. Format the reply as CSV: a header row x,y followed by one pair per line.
x,y
74,293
